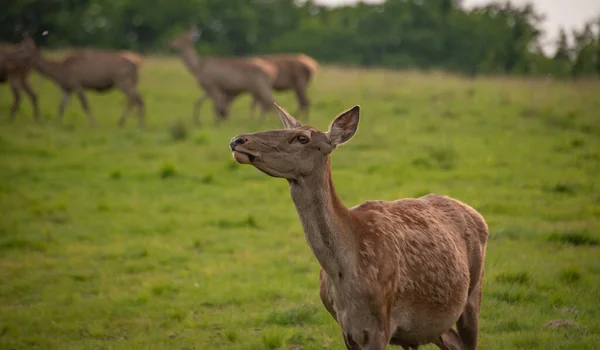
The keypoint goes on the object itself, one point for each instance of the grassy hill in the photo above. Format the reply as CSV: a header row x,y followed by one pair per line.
x,y
118,239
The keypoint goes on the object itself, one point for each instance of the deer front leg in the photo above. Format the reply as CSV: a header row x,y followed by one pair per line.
x,y
86,107
33,98
14,86
197,106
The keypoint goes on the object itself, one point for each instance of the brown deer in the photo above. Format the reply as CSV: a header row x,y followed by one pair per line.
x,y
15,65
94,70
294,72
397,272
223,79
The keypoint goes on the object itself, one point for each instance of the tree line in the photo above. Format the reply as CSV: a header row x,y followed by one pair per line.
x,y
498,38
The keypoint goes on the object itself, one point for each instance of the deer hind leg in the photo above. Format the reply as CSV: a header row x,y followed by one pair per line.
x,y
33,97
253,107
64,101
126,112
221,103
133,98
303,101
197,107
449,341
86,107
15,87
264,95
468,323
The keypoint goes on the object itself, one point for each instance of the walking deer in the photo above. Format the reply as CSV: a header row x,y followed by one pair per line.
x,y
294,72
94,70
223,79
15,65
397,272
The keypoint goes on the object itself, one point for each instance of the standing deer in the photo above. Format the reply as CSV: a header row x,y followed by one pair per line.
x,y
392,272
223,79
94,70
15,65
294,72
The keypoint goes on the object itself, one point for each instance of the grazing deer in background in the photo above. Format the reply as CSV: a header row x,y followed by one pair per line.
x,y
294,72
223,79
392,272
15,65
94,70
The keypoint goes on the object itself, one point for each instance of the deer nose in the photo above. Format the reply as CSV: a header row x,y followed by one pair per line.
x,y
237,141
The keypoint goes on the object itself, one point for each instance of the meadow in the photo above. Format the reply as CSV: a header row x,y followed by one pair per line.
x,y
124,239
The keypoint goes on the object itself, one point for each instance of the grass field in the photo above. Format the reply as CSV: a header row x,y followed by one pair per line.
x,y
119,239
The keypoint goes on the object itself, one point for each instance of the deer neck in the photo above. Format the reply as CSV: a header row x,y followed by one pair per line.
x,y
325,220
191,59
51,69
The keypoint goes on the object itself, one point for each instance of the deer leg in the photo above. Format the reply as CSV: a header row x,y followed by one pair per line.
x,y
141,110
265,95
33,97
324,294
64,101
303,101
468,323
449,341
197,106
130,103
133,98
86,107
14,86
253,107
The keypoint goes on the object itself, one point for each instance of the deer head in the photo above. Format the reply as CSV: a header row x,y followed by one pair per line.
x,y
295,151
185,39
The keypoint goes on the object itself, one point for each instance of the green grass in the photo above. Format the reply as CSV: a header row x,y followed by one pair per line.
x,y
118,239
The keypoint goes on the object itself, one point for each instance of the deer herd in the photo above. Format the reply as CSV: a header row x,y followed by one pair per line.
x,y
221,78
400,272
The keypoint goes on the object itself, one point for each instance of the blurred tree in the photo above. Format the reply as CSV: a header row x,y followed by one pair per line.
x,y
499,37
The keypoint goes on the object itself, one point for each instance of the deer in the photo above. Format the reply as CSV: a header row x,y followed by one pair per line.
x,y
15,66
99,70
294,72
400,272
224,78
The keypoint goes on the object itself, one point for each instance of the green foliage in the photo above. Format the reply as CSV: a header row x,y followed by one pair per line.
x,y
117,238
492,39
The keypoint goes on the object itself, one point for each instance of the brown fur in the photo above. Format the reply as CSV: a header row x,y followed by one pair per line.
x,y
94,70
393,272
15,66
294,72
223,79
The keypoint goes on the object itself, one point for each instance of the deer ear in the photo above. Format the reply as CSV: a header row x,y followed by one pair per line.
x,y
344,126
288,121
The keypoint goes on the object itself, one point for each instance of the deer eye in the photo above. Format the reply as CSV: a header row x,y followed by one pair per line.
x,y
302,139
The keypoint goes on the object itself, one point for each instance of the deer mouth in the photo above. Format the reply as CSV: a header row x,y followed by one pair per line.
x,y
243,157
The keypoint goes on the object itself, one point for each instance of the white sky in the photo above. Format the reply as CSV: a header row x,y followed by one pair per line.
x,y
566,13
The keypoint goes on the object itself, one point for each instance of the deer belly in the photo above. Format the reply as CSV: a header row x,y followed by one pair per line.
x,y
105,86
415,327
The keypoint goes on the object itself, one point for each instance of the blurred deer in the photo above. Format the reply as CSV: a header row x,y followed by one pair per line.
x,y
93,70
223,79
397,272
15,65
294,72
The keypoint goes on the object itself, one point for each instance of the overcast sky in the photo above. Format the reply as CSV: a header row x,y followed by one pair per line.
x,y
566,13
